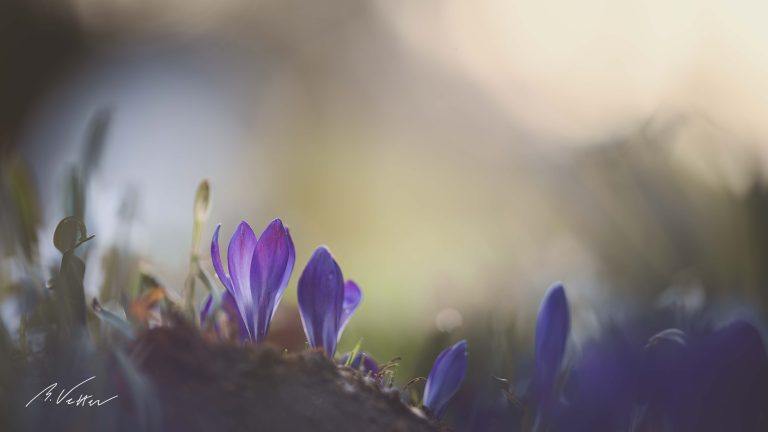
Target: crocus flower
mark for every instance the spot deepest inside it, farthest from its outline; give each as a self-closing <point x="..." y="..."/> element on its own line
<point x="259" y="269"/>
<point x="326" y="302"/>
<point x="604" y="386"/>
<point x="445" y="378"/>
<point x="718" y="382"/>
<point x="552" y="327"/>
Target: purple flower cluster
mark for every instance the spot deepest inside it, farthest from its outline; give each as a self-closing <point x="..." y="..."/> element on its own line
<point x="703" y="378"/>
<point x="688" y="378"/>
<point x="706" y="378"/>
<point x="259" y="270"/>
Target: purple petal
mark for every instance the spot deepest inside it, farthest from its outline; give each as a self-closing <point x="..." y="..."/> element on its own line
<point x="717" y="381"/>
<point x="552" y="327"/>
<point x="368" y="363"/>
<point x="352" y="298"/>
<point x="270" y="269"/>
<point x="216" y="258"/>
<point x="321" y="298"/>
<point x="239" y="256"/>
<point x="229" y="306"/>
<point x="446" y="377"/>
<point x="288" y="270"/>
<point x="205" y="308"/>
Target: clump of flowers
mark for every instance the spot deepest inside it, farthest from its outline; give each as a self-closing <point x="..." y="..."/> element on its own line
<point x="259" y="271"/>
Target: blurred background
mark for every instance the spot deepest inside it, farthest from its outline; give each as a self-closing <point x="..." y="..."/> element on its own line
<point x="456" y="157"/>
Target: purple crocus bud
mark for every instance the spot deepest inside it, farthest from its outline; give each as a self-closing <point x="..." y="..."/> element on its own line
<point x="362" y="362"/>
<point x="552" y="327"/>
<point x="445" y="378"/>
<point x="325" y="302"/>
<point x="259" y="269"/>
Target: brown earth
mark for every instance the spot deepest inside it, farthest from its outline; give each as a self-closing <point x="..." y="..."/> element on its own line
<point x="209" y="386"/>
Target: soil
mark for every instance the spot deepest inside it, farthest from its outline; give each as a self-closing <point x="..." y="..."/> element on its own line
<point x="205" y="385"/>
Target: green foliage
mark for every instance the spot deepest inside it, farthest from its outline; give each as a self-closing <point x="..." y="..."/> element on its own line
<point x="387" y="371"/>
<point x="353" y="354"/>
<point x="201" y="210"/>
<point x="110" y="318"/>
<point x="70" y="233"/>
<point x="68" y="284"/>
<point x="21" y="214"/>
<point x="408" y="390"/>
<point x="80" y="174"/>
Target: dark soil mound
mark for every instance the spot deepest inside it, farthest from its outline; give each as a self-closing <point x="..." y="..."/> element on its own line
<point x="220" y="386"/>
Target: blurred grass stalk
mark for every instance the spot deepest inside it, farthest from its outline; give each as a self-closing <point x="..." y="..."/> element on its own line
<point x="201" y="211"/>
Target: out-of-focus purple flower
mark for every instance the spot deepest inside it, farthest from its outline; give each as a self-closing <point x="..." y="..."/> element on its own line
<point x="603" y="385"/>
<point x="362" y="362"/>
<point x="229" y="307"/>
<point x="445" y="378"/>
<point x="552" y="326"/>
<point x="259" y="269"/>
<point x="326" y="302"/>
<point x="719" y="381"/>
<point x="700" y="380"/>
